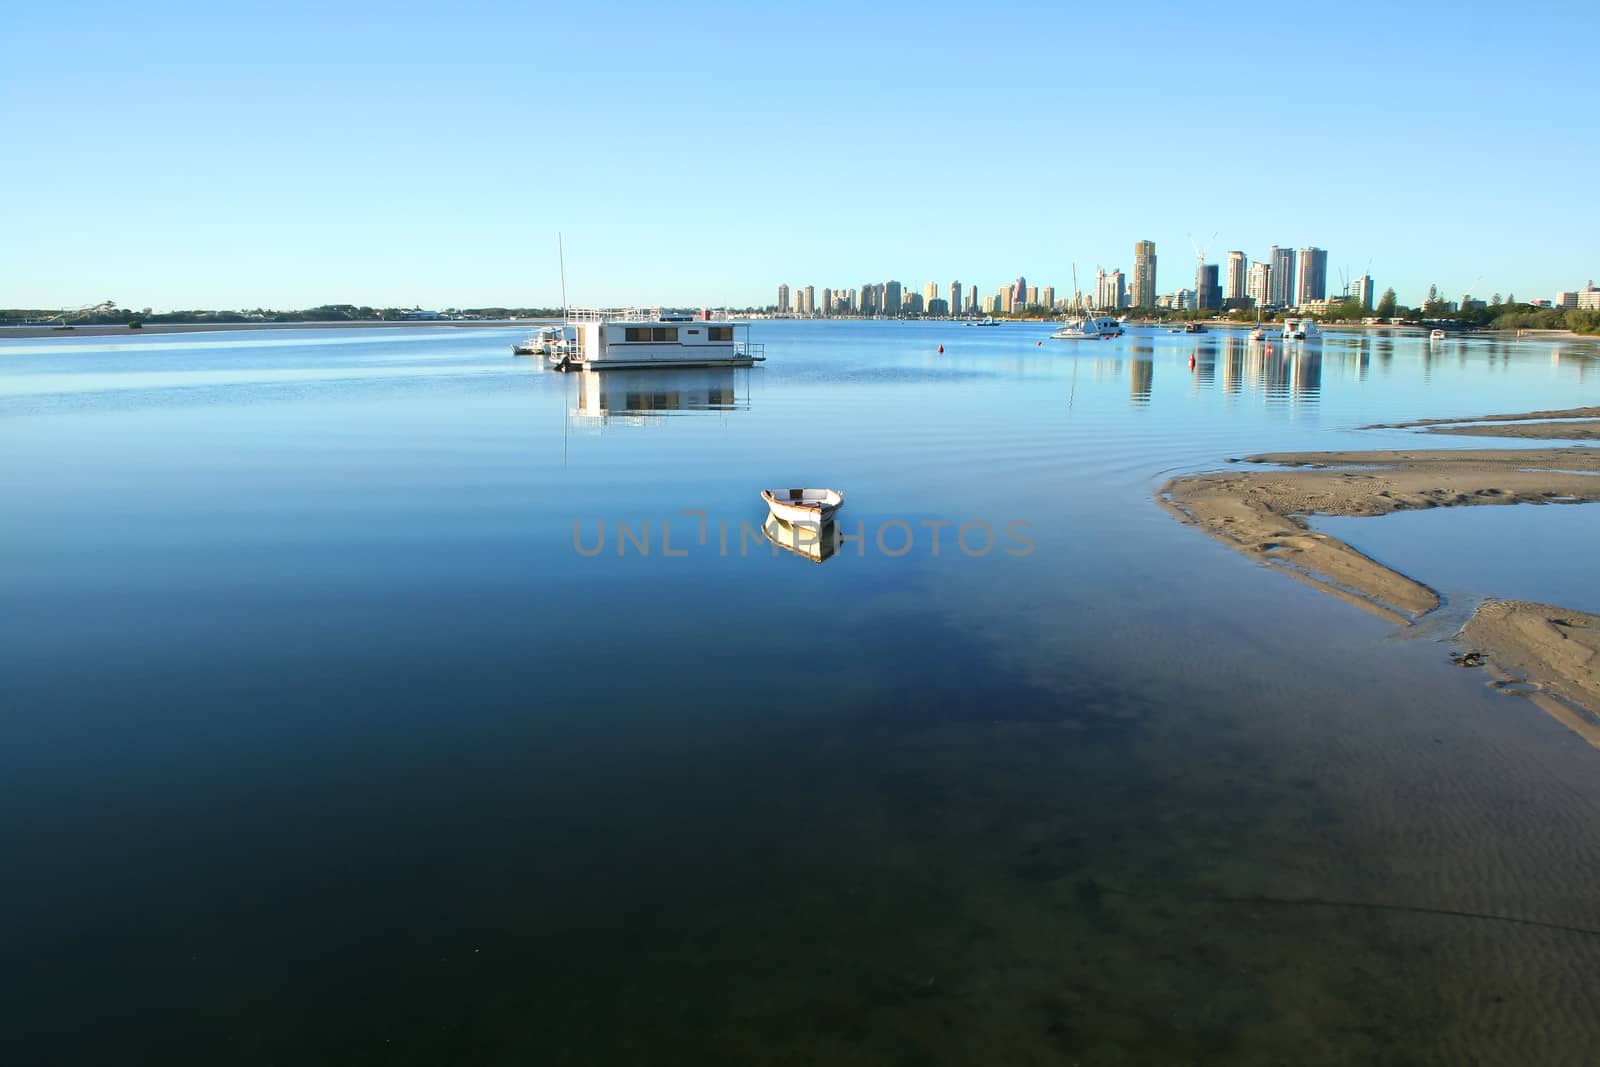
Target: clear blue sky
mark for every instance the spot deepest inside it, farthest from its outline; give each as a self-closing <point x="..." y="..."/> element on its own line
<point x="285" y="154"/>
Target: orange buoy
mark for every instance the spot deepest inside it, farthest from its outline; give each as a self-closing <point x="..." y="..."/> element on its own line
<point x="1191" y="363"/>
<point x="941" y="348"/>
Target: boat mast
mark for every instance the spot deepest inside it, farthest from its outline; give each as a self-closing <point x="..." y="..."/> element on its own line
<point x="561" y="255"/>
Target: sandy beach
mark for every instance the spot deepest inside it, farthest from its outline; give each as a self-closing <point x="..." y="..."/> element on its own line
<point x="1550" y="652"/>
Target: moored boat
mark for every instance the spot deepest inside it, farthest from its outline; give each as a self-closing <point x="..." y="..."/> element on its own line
<point x="803" y="507"/>
<point x="1096" y="329"/>
<point x="542" y="343"/>
<point x="640" y="338"/>
<point x="1436" y="335"/>
<point x="1301" y="330"/>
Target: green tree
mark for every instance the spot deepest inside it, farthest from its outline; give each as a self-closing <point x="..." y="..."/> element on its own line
<point x="1386" y="304"/>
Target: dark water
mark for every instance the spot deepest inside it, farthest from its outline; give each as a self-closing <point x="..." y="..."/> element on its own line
<point x="323" y="742"/>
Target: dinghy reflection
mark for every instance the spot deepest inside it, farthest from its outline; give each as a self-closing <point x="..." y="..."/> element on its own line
<point x="808" y="541"/>
<point x="643" y="396"/>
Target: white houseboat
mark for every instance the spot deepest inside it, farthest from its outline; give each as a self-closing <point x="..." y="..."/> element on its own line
<point x="640" y="338"/>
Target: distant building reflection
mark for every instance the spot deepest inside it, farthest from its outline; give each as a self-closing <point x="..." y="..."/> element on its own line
<point x="1141" y="373"/>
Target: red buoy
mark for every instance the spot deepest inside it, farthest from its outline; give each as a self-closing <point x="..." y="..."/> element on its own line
<point x="941" y="348"/>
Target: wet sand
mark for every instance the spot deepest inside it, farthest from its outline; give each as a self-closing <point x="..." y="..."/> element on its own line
<point x="1583" y="425"/>
<point x="1261" y="513"/>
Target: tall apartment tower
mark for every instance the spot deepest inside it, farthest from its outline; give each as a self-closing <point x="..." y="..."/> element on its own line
<point x="811" y="300"/>
<point x="1047" y="296"/>
<point x="955" y="298"/>
<point x="1313" y="264"/>
<point x="783" y="298"/>
<point x="891" y="298"/>
<point x="827" y="301"/>
<point x="1283" y="291"/>
<point x="1207" y="290"/>
<point x="1019" y="293"/>
<point x="868" y="303"/>
<point x="1258" y="286"/>
<point x="1238" y="264"/>
<point x="930" y="293"/>
<point x="1361" y="291"/>
<point x="1144" y="274"/>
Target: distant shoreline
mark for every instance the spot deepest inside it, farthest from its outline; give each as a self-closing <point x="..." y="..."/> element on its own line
<point x="108" y="329"/>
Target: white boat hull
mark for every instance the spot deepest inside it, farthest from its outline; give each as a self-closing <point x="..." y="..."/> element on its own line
<point x="810" y="508"/>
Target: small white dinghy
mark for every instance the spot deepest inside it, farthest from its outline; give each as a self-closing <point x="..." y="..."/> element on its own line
<point x="809" y="507"/>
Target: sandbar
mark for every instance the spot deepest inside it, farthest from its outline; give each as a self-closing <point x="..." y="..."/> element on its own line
<point x="1583" y="424"/>
<point x="1261" y="512"/>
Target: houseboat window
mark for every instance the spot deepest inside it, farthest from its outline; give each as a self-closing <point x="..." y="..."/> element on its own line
<point x="638" y="333"/>
<point x="719" y="333"/>
<point x="694" y="333"/>
<point x="664" y="333"/>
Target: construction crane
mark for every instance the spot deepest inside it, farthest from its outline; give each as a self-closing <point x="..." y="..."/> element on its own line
<point x="1200" y="252"/>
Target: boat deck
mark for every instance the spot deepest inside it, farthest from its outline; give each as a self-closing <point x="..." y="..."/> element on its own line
<point x="570" y="364"/>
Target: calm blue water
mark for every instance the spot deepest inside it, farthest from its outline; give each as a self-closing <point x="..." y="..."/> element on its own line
<point x="325" y="740"/>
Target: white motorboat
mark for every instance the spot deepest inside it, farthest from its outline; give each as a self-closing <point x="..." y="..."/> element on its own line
<point x="1301" y="330"/>
<point x="541" y="343"/>
<point x="803" y="507"/>
<point x="1436" y="335"/>
<point x="987" y="320"/>
<point x="1096" y="329"/>
<point x="1258" y="334"/>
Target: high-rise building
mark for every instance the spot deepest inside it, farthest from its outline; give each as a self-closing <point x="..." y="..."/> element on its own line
<point x="1019" y="293"/>
<point x="1144" y="274"/>
<point x="1237" y="265"/>
<point x="868" y="303"/>
<point x="913" y="303"/>
<point x="1008" y="299"/>
<point x="1207" y="289"/>
<point x="1109" y="288"/>
<point x="811" y="300"/>
<point x="972" y="298"/>
<point x="1589" y="297"/>
<point x="938" y="306"/>
<point x="1361" y="291"/>
<point x="1283" y="291"/>
<point x="955" y="298"/>
<point x="1047" y="296"/>
<point x="930" y="293"/>
<point x="1033" y="296"/>
<point x="891" y="298"/>
<point x="827" y="301"/>
<point x="783" y="299"/>
<point x="1258" y="286"/>
<point x="1313" y="267"/>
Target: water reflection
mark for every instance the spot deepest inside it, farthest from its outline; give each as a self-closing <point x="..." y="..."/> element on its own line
<point x="1141" y="373"/>
<point x="641" y="395"/>
<point x="806" y="542"/>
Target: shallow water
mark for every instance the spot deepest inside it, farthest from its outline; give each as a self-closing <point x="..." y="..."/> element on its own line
<point x="324" y="739"/>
